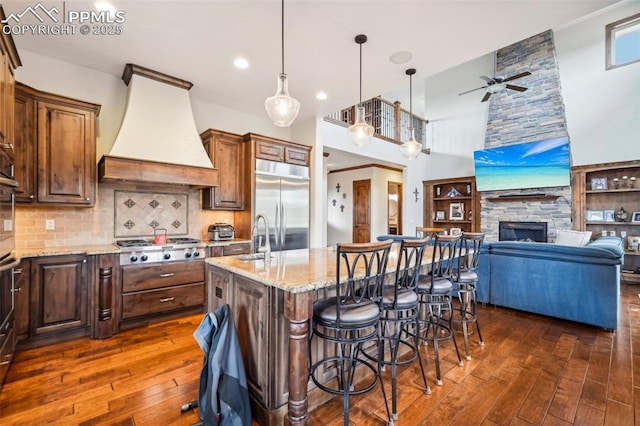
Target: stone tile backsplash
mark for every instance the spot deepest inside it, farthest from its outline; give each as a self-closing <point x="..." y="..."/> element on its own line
<point x="139" y="214"/>
<point x="81" y="226"/>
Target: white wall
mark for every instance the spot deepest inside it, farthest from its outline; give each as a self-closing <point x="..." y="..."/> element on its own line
<point x="340" y="222"/>
<point x="602" y="107"/>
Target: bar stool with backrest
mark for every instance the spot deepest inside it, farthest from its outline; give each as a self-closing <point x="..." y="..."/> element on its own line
<point x="434" y="291"/>
<point x="350" y="321"/>
<point x="465" y="279"/>
<point x="400" y="313"/>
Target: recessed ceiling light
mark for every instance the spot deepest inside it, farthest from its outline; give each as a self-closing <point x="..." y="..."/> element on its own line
<point x="241" y="63"/>
<point x="400" y="57"/>
<point x="105" y="6"/>
<point x="321" y="96"/>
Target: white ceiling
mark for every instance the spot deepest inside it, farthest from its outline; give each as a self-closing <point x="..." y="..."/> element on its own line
<point x="198" y="41"/>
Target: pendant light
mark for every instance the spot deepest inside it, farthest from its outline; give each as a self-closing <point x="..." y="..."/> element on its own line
<point x="281" y="107"/>
<point x="411" y="148"/>
<point x="360" y="131"/>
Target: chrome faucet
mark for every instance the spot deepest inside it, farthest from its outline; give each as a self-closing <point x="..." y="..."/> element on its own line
<point x="266" y="248"/>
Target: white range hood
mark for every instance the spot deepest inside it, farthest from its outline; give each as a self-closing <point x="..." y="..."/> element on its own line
<point x="158" y="142"/>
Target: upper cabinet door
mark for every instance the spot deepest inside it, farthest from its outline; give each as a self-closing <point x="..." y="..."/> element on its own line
<point x="227" y="153"/>
<point x="66" y="154"/>
<point x="25" y="148"/>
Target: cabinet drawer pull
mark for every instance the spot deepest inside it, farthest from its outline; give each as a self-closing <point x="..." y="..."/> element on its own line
<point x="167" y="299"/>
<point x="167" y="275"/>
<point x="15" y="290"/>
<point x="4" y="362"/>
<point x="237" y="249"/>
<point x="7" y="145"/>
<point x="17" y="271"/>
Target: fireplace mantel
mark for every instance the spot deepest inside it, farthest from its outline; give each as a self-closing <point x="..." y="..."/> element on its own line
<point x="520" y="197"/>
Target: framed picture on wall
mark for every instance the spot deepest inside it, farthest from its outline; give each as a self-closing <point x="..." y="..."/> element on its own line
<point x="456" y="211"/>
<point x="635" y="217"/>
<point x="440" y="215"/>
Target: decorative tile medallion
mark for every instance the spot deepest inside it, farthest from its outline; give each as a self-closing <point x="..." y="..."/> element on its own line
<point x="137" y="214"/>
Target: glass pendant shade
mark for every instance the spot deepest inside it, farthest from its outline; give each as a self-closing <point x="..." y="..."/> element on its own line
<point x="411" y="148"/>
<point x="360" y="131"/>
<point x="281" y="108"/>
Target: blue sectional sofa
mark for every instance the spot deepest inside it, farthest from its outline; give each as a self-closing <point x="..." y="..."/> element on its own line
<point x="575" y="283"/>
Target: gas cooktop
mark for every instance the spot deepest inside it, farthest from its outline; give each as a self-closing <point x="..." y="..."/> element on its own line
<point x="145" y="251"/>
<point x="144" y="243"/>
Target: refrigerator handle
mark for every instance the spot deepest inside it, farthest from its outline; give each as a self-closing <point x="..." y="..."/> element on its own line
<point x="276" y="228"/>
<point x="283" y="225"/>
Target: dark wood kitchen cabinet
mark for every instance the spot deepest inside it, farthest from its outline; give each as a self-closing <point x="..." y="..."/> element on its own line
<point x="258" y="314"/>
<point x="226" y="151"/>
<point x="151" y="293"/>
<point x="9" y="61"/>
<point x="22" y="279"/>
<point x="231" y="249"/>
<point x="277" y="150"/>
<point x="58" y="296"/>
<point x="25" y="147"/>
<point x="55" y="148"/>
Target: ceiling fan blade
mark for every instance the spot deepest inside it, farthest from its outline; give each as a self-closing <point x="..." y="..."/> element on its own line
<point x="487" y="78"/>
<point x="513" y="77"/>
<point x="472" y="90"/>
<point x="518" y="88"/>
<point x="486" y="97"/>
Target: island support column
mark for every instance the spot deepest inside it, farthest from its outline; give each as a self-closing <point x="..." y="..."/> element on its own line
<point x="298" y="311"/>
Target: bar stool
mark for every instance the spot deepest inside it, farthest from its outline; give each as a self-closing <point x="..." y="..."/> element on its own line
<point x="434" y="291"/>
<point x="465" y="279"/>
<point x="350" y="320"/>
<point x="400" y="312"/>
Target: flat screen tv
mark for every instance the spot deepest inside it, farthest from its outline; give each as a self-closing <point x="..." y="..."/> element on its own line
<point x="536" y="164"/>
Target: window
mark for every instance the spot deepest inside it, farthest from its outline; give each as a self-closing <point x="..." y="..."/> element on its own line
<point x="623" y="42"/>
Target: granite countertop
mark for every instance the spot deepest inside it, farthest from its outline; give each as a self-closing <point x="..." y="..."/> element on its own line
<point x="58" y="251"/>
<point x="296" y="271"/>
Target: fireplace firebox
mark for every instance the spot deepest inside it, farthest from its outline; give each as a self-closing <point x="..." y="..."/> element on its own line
<point x="523" y="231"/>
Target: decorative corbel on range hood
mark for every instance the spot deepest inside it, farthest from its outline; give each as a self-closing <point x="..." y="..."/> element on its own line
<point x="158" y="142"/>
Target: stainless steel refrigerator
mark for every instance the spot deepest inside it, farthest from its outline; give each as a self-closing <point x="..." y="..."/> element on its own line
<point x="282" y="196"/>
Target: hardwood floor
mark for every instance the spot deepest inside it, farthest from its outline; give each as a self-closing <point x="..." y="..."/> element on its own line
<point x="533" y="370"/>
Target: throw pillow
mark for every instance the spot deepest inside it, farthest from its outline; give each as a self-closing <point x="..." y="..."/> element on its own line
<point x="573" y="238"/>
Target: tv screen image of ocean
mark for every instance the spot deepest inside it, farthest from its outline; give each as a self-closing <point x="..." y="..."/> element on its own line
<point x="492" y="178"/>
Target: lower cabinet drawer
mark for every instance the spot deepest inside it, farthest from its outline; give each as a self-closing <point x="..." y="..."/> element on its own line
<point x="162" y="300"/>
<point x="6" y="355"/>
<point x="232" y="249"/>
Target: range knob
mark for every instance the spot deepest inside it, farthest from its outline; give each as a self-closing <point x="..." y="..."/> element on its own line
<point x="196" y="254"/>
<point x="167" y="256"/>
<point x="187" y="254"/>
<point x="133" y="258"/>
<point x="144" y="257"/>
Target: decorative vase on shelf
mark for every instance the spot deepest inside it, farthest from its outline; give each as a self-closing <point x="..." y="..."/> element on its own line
<point x="621" y="215"/>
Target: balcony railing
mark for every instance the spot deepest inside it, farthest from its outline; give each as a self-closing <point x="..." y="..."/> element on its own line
<point x="389" y="120"/>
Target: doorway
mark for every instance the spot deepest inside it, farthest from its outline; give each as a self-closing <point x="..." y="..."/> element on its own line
<point x="361" y="211"/>
<point x="394" y="208"/>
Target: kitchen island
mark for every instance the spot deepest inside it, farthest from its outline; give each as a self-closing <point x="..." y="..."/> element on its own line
<point x="272" y="306"/>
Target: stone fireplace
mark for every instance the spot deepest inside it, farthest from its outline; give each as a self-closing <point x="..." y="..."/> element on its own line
<point x="519" y="117"/>
<point x="523" y="231"/>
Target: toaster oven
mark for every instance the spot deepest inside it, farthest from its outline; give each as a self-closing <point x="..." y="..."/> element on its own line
<point x="220" y="232"/>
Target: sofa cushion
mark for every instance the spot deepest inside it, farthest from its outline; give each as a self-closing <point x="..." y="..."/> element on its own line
<point x="573" y="238"/>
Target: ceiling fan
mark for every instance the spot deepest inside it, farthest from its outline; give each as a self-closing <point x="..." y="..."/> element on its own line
<point x="498" y="83"/>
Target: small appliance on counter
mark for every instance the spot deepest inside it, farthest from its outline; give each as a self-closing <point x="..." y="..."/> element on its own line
<point x="220" y="232"/>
